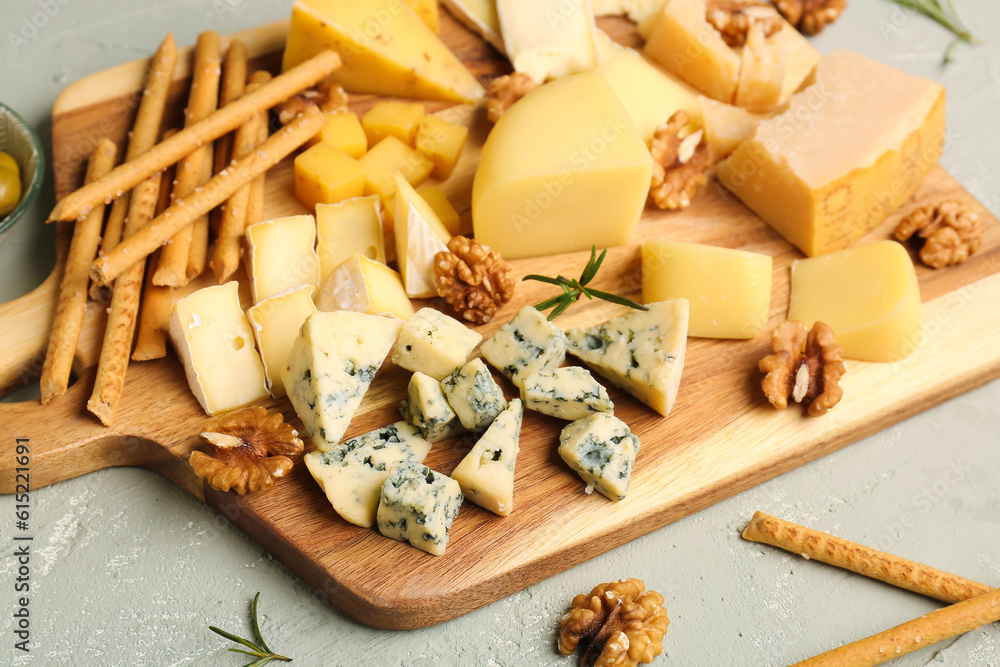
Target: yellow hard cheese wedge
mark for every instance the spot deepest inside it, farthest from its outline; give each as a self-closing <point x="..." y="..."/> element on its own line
<point x="563" y="169"/>
<point x="280" y="255"/>
<point x="276" y="321"/>
<point x="349" y="227"/>
<point x="869" y="295"/>
<point x="420" y="235"/>
<point x="364" y="286"/>
<point x="729" y="290"/>
<point x="438" y="200"/>
<point x="427" y="10"/>
<point x="385" y="48"/>
<point x="847" y="152"/>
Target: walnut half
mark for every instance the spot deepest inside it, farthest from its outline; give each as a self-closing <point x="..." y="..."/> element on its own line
<point x="249" y="451"/>
<point x="328" y="97"/>
<point x="811" y="16"/>
<point x="505" y="90"/>
<point x="733" y="18"/>
<point x="474" y="279"/>
<point x="950" y="229"/>
<point x="681" y="160"/>
<point x="619" y="624"/>
<point x="803" y="366"/>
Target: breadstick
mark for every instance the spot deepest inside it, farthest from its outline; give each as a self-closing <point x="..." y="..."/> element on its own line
<point x="913" y="635"/>
<point x="234" y="78"/>
<point x="227" y="247"/>
<point x="217" y="190"/>
<point x="73" y="290"/>
<point x="187" y="140"/>
<point x="255" y="203"/>
<point x="112" y="236"/>
<point x="202" y="100"/>
<point x="198" y="248"/>
<point x="813" y="544"/>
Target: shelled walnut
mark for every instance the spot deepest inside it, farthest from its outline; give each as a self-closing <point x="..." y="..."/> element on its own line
<point x="811" y="16"/>
<point x="249" y="451"/>
<point x="733" y="18"/>
<point x="681" y="160"/>
<point x="505" y="90"/>
<point x="327" y="96"/>
<point x="620" y="624"/>
<point x="950" y="229"/>
<point x="474" y="279"/>
<point x="803" y="366"/>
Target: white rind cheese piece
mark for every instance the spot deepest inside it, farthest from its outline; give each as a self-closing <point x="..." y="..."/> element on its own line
<point x="330" y="367"/>
<point x="420" y="235"/>
<point x="428" y="409"/>
<point x="642" y="351"/>
<point x="474" y="395"/>
<point x="364" y="286"/>
<point x="433" y="343"/>
<point x="280" y="255"/>
<point x="567" y="393"/>
<point x="348" y="227"/>
<point x="636" y="10"/>
<point x="276" y="321"/>
<point x="486" y="474"/>
<point x="548" y="39"/>
<point x="479" y="16"/>
<point x="214" y="342"/>
<point x="352" y="473"/>
<point x="602" y="450"/>
<point x="527" y="344"/>
<point x="418" y="505"/>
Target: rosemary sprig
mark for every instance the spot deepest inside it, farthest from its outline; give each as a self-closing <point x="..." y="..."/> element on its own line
<point x="944" y="13"/>
<point x="260" y="650"/>
<point x="572" y="289"/>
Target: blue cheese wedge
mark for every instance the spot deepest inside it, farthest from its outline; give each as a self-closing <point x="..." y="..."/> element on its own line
<point x="428" y="409"/>
<point x="474" y="395"/>
<point x="567" y="393"/>
<point x="352" y="473"/>
<point x="601" y="449"/>
<point x="642" y="351"/>
<point x="418" y="505"/>
<point x="527" y="344"/>
<point x="486" y="474"/>
<point x="434" y="344"/>
<point x="331" y="366"/>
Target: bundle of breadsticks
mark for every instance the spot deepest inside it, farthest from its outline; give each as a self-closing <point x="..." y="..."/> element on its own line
<point x="163" y="195"/>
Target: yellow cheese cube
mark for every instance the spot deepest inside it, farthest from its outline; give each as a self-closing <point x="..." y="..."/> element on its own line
<point x="385" y="159"/>
<point x="275" y="322"/>
<point x="280" y="255"/>
<point x="442" y="142"/>
<point x="391" y="118"/>
<point x="427" y="10"/>
<point x="364" y="286"/>
<point x="385" y="47"/>
<point x="762" y="74"/>
<point x="438" y="200"/>
<point x="545" y="185"/>
<point x="343" y="131"/>
<point x="726" y="126"/>
<point x="871" y="134"/>
<point x="325" y="175"/>
<point x="350" y="227"/>
<point x="729" y="290"/>
<point x="869" y="295"/>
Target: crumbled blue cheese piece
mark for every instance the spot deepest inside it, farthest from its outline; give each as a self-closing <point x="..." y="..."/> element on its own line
<point x="642" y="351"/>
<point x="486" y="474"/>
<point x="428" y="409"/>
<point x="331" y="366"/>
<point x="529" y="343"/>
<point x="569" y="393"/>
<point x="474" y="395"/>
<point x="433" y="343"/>
<point x="601" y="449"/>
<point x="418" y="506"/>
<point x="352" y="473"/>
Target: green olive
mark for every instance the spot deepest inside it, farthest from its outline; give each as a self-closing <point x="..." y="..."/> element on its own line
<point x="10" y="184"/>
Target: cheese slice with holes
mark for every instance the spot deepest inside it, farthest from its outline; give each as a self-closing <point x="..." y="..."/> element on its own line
<point x="348" y="227"/>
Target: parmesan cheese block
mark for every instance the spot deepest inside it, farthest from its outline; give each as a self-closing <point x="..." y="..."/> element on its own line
<point x="726" y="126"/>
<point x="548" y="39"/>
<point x="418" y="505"/>
<point x="214" y="342"/>
<point x="351" y="226"/>
<point x="280" y="255"/>
<point x="364" y="286"/>
<point x="848" y="151"/>
<point x="762" y="73"/>
<point x="486" y="474"/>
<point x="420" y="235"/>
<point x="276" y="321"/>
<point x="869" y="295"/>
<point x="547" y="186"/>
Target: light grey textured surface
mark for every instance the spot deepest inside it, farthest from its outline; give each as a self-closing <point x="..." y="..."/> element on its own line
<point x="129" y="570"/>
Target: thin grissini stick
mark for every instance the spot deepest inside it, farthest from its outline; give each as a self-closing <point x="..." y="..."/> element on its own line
<point x="224" y="120"/>
<point x="112" y="236"/>
<point x="836" y="551"/>
<point x="234" y="79"/>
<point x="216" y="191"/>
<point x="198" y="248"/>
<point x="913" y="635"/>
<point x="255" y="202"/>
<point x="73" y="289"/>
<point x="203" y="99"/>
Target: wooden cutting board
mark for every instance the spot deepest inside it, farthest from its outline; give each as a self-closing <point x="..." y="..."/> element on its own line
<point x="721" y="438"/>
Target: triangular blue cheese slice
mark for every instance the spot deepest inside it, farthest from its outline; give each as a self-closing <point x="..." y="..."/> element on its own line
<point x="642" y="351"/>
<point x="486" y="474"/>
<point x="330" y="367"/>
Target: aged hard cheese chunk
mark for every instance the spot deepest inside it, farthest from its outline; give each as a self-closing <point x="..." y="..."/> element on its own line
<point x="762" y="74"/>
<point x="386" y="50"/>
<point x="280" y="255"/>
<point x="435" y="344"/>
<point x="330" y="367"/>
<point x="869" y="295"/>
<point x="545" y="185"/>
<point x="364" y="286"/>
<point x="276" y="321"/>
<point x="438" y="200"/>
<point x="326" y="175"/>
<point x="548" y="39"/>
<point x="567" y="393"/>
<point x="418" y="505"/>
<point x="642" y="351"/>
<point x="729" y="290"/>
<point x="474" y="395"/>
<point x="486" y="474"/>
<point x="427" y="408"/>
<point x="427" y="10"/>
<point x="527" y="344"/>
<point x="344" y="229"/>
<point x="352" y="473"/>
<point x="726" y="126"/>
<point x="214" y="342"/>
<point x="420" y="235"/>
<point x="602" y="450"/>
<point x="871" y="136"/>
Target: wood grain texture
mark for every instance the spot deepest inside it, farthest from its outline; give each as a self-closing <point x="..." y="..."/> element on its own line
<point x="721" y="438"/>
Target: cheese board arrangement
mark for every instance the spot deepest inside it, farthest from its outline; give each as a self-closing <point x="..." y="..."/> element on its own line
<point x="548" y="195"/>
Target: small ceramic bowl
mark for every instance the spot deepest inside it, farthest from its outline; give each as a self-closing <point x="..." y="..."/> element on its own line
<point x="21" y="143"/>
